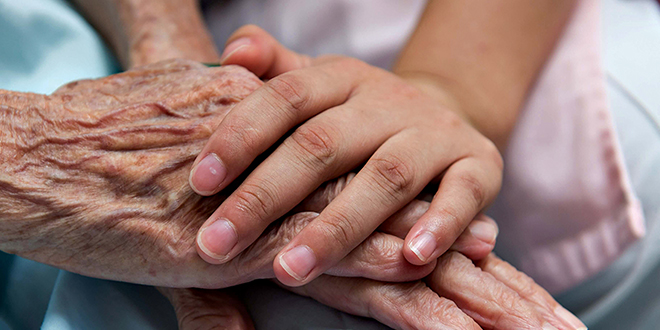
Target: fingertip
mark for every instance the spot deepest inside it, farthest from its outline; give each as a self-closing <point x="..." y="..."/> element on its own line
<point x="252" y="48"/>
<point x="478" y="240"/>
<point x="234" y="47"/>
<point x="484" y="229"/>
<point x="216" y="240"/>
<point x="421" y="249"/>
<point x="207" y="175"/>
<point x="294" y="266"/>
<point x="253" y="56"/>
<point x="475" y="250"/>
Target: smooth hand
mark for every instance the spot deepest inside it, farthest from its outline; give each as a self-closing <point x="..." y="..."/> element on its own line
<point x="342" y="113"/>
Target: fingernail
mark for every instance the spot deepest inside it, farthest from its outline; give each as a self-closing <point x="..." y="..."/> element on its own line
<point x="233" y="47"/>
<point x="571" y="319"/>
<point x="298" y="262"/>
<point x="208" y="174"/>
<point x="423" y="246"/>
<point x="218" y="239"/>
<point x="483" y="231"/>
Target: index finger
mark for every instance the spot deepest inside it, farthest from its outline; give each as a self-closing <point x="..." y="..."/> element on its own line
<point x="265" y="116"/>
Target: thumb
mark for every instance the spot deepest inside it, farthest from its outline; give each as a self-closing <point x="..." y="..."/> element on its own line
<point x="207" y="309"/>
<point x="255" y="49"/>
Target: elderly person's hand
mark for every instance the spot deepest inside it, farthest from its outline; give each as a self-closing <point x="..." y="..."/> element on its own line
<point x="94" y="180"/>
<point x="459" y="294"/>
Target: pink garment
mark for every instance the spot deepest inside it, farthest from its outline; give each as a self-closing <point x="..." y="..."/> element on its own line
<point x="567" y="210"/>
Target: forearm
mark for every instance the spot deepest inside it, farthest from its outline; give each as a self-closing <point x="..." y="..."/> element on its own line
<point x="147" y="31"/>
<point x="484" y="56"/>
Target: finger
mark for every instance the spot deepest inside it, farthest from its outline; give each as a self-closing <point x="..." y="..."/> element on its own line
<point x="476" y="242"/>
<point x="324" y="147"/>
<point x="255" y="49"/>
<point x="318" y="201"/>
<point x="488" y="301"/>
<point x="394" y="175"/>
<point x="466" y="188"/>
<point x="378" y="257"/>
<point x="528" y="289"/>
<point x="400" y="306"/>
<point x="198" y="309"/>
<point x="262" y="118"/>
<point x="400" y="223"/>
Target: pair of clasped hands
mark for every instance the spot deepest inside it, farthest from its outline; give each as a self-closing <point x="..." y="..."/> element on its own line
<point x="316" y="119"/>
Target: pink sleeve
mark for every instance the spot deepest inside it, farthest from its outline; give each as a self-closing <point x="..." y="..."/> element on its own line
<point x="567" y="209"/>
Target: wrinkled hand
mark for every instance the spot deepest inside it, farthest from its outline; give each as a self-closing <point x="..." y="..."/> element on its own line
<point x="457" y="295"/>
<point x="213" y="309"/>
<point x="94" y="180"/>
<point x="344" y="112"/>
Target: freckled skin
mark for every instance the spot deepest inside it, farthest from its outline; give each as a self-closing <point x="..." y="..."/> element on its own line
<point x="94" y="177"/>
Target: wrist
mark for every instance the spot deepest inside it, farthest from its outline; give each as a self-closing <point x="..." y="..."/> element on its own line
<point x="165" y="29"/>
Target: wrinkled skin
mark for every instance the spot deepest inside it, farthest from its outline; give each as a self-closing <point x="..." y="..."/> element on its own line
<point x="459" y="294"/>
<point x="94" y="180"/>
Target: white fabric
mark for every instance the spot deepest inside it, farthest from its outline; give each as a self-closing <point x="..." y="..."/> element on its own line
<point x="371" y="30"/>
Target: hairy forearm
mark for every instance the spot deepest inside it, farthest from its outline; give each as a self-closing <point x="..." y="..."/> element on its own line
<point x="147" y="31"/>
<point x="484" y="55"/>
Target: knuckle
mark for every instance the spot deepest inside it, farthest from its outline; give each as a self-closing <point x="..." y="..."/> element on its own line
<point x="339" y="229"/>
<point x="525" y="287"/>
<point x="474" y="188"/>
<point x="452" y="120"/>
<point x="257" y="199"/>
<point x="504" y="297"/>
<point x="451" y="221"/>
<point x="443" y="308"/>
<point x="239" y="129"/>
<point x="378" y="248"/>
<point x="410" y="300"/>
<point x="452" y="261"/>
<point x="291" y="90"/>
<point x="393" y="174"/>
<point x="352" y="63"/>
<point x="317" y="142"/>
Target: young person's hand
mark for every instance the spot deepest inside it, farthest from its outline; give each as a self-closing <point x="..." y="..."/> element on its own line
<point x="343" y="113"/>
